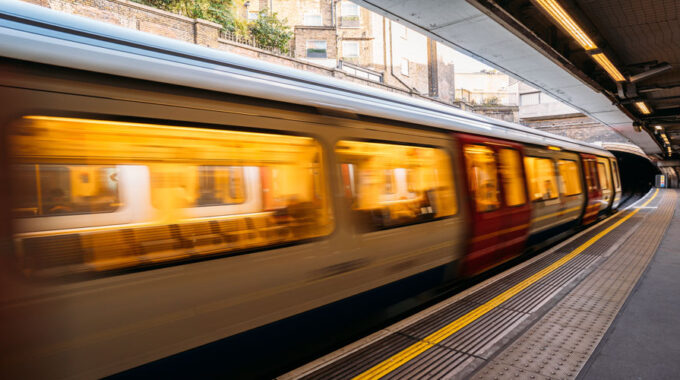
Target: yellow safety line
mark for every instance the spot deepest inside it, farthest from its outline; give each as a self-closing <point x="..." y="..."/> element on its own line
<point x="400" y="358"/>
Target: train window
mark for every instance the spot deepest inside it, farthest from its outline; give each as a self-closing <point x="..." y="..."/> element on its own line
<point x="390" y="185"/>
<point x="50" y="189"/>
<point x="541" y="178"/>
<point x="201" y="191"/>
<point x="591" y="175"/>
<point x="615" y="168"/>
<point x="569" y="174"/>
<point x="220" y="185"/>
<point x="511" y="174"/>
<point x="482" y="177"/>
<point x="603" y="175"/>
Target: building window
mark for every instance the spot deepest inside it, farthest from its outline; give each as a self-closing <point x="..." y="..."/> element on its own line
<point x="530" y="99"/>
<point x="252" y="15"/>
<point x="316" y="49"/>
<point x="311" y="19"/>
<point x="404" y="66"/>
<point x="403" y="32"/>
<point x="349" y="15"/>
<point x="360" y="72"/>
<point x="350" y="49"/>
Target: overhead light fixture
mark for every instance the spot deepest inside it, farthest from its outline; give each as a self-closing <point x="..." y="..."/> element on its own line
<point x="658" y="127"/>
<point x="643" y="108"/>
<point x="665" y="139"/>
<point x="562" y="17"/>
<point x="609" y="67"/>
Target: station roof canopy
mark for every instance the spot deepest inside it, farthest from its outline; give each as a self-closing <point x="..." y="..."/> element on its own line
<point x="616" y="61"/>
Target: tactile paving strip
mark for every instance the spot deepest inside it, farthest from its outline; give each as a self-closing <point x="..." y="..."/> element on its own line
<point x="560" y="343"/>
<point x="471" y="347"/>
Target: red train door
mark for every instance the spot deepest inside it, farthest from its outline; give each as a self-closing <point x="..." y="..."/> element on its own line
<point x="499" y="209"/>
<point x="592" y="184"/>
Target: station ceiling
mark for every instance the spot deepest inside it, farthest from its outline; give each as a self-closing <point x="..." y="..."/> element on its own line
<point x="629" y="58"/>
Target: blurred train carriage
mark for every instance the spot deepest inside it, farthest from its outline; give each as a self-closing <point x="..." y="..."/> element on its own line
<point x="204" y="194"/>
<point x="96" y="195"/>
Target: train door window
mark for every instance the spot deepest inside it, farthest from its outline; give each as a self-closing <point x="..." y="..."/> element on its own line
<point x="541" y="178"/>
<point x="615" y="168"/>
<point x="569" y="174"/>
<point x="511" y="175"/>
<point x="482" y="177"/>
<point x="603" y="175"/>
<point x="591" y="175"/>
<point x="391" y="185"/>
<point x="50" y="189"/>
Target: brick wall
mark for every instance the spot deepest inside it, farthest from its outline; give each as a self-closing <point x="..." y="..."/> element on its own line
<point x="578" y="127"/>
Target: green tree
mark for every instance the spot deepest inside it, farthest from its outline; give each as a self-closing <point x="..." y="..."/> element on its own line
<point x="270" y="32"/>
<point x="217" y="11"/>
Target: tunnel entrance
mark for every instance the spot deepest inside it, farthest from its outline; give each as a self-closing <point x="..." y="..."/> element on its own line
<point x="637" y="173"/>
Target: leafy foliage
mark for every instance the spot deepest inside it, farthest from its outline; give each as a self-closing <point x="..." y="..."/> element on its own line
<point x="217" y="11"/>
<point x="270" y="32"/>
<point x="492" y="101"/>
<point x="267" y="30"/>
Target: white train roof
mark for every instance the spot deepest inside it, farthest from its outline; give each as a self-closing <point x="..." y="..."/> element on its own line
<point x="33" y="33"/>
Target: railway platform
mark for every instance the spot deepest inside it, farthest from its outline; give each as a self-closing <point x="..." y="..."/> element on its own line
<point x="601" y="305"/>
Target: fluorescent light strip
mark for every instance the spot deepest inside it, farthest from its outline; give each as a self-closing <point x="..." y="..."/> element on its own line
<point x="643" y="107"/>
<point x="563" y="18"/>
<point x="609" y="67"/>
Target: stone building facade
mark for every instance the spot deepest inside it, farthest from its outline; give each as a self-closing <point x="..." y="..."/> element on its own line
<point x="343" y="35"/>
<point x="541" y="111"/>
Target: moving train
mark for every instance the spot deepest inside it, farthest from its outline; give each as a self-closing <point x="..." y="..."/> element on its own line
<point x="158" y="196"/>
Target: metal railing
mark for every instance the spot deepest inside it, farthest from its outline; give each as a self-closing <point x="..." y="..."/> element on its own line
<point x="249" y="41"/>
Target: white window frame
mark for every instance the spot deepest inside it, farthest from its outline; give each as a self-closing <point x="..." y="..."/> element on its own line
<point x="404" y="66"/>
<point x="345" y="49"/>
<point x="348" y="8"/>
<point x="308" y="42"/>
<point x="312" y="19"/>
<point x="252" y="15"/>
<point x="403" y="33"/>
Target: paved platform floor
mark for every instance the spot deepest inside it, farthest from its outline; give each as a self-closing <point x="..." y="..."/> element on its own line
<point x="604" y="304"/>
<point x="644" y="340"/>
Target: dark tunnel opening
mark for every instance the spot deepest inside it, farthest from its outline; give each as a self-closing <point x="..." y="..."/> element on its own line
<point x="637" y="174"/>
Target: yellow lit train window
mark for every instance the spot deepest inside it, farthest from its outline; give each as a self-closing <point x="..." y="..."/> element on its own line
<point x="200" y="191"/>
<point x="511" y="175"/>
<point x="392" y="185"/>
<point x="604" y="175"/>
<point x="571" y="179"/>
<point x="220" y="185"/>
<point x="49" y="189"/>
<point x="615" y="168"/>
<point x="541" y="178"/>
<point x="482" y="177"/>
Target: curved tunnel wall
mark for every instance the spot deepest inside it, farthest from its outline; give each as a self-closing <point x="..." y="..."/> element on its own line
<point x="637" y="172"/>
